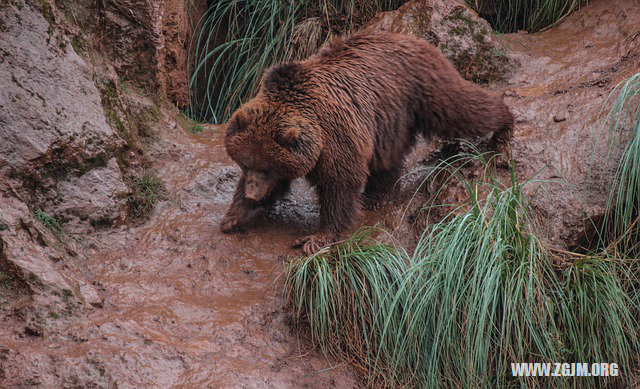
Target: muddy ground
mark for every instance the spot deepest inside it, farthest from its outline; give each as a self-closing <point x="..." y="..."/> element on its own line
<point x="173" y="302"/>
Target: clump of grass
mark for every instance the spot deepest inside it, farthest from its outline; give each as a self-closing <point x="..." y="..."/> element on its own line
<point x="530" y="15"/>
<point x="340" y="293"/>
<point x="235" y="40"/>
<point x="50" y="222"/>
<point x="479" y="292"/>
<point x="195" y="125"/>
<point x="146" y="192"/>
<point x="196" y="128"/>
<point x="621" y="226"/>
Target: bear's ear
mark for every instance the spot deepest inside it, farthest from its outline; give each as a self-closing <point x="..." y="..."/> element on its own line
<point x="288" y="136"/>
<point x="283" y="77"/>
<point x="238" y="123"/>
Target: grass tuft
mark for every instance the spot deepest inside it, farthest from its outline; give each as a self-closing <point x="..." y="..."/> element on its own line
<point x="146" y="192"/>
<point x="531" y="15"/>
<point x="196" y="128"/>
<point x="621" y="226"/>
<point x="341" y="295"/>
<point x="479" y="292"/>
<point x="50" y="222"/>
<point x="235" y="40"/>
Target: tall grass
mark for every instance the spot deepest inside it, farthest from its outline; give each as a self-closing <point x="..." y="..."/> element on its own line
<point x="621" y="226"/>
<point x="479" y="292"/>
<point x="531" y="15"/>
<point x="340" y="293"/>
<point x="235" y="40"/>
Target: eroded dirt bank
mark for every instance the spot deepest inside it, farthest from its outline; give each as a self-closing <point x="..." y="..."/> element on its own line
<point x="173" y="302"/>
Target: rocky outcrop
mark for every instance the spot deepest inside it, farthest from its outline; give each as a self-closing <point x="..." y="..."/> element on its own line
<point x="149" y="42"/>
<point x="462" y="36"/>
<point x="53" y="129"/>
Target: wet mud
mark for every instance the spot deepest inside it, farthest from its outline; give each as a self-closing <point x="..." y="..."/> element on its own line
<point x="180" y="304"/>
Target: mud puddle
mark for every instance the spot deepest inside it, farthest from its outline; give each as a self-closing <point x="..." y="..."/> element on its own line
<point x="189" y="306"/>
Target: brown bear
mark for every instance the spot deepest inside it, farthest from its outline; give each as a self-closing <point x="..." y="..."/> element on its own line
<point x="345" y="118"/>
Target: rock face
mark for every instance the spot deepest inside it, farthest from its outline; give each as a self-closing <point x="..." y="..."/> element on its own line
<point x="461" y="35"/>
<point x="150" y="39"/>
<point x="53" y="131"/>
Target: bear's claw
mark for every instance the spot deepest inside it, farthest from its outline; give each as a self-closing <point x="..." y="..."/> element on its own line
<point x="313" y="243"/>
<point x="228" y="223"/>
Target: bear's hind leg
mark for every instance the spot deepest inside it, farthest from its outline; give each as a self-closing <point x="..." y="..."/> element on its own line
<point x="381" y="187"/>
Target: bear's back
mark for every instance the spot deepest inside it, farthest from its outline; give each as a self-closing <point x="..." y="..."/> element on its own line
<point x="390" y="86"/>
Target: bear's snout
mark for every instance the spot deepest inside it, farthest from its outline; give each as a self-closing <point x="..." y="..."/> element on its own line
<point x="256" y="185"/>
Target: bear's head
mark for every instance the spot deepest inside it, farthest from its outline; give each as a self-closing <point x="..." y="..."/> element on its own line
<point x="271" y="142"/>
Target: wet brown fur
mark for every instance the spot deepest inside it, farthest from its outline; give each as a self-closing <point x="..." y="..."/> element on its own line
<point x="345" y="119"/>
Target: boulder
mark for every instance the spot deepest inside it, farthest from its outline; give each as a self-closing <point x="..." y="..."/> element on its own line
<point x="462" y="36"/>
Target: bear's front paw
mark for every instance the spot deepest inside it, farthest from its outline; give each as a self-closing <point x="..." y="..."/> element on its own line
<point x="229" y="222"/>
<point x="313" y="243"/>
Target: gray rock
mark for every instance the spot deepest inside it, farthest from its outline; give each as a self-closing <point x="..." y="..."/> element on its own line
<point x="52" y="122"/>
<point x="96" y="196"/>
<point x="462" y="36"/>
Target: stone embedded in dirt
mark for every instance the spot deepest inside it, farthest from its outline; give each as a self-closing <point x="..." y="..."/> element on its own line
<point x="97" y="196"/>
<point x="91" y="296"/>
<point x="462" y="36"/>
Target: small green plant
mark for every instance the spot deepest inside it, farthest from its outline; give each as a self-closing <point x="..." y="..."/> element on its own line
<point x="500" y="53"/>
<point x="54" y="315"/>
<point x="5" y="278"/>
<point x="125" y="86"/>
<point x="76" y="45"/>
<point x="146" y="192"/>
<point x="196" y="128"/>
<point x="66" y="294"/>
<point x="50" y="222"/>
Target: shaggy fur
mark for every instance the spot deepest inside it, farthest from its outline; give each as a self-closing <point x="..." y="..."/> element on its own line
<point x="345" y="119"/>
